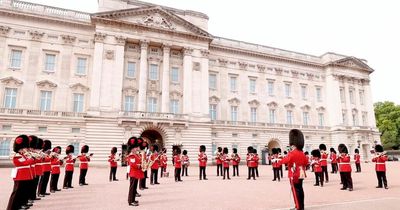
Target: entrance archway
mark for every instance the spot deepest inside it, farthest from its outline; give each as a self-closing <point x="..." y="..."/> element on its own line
<point x="273" y="143"/>
<point x="153" y="137"/>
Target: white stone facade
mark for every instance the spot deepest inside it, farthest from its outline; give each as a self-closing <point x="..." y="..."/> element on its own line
<point x="134" y="67"/>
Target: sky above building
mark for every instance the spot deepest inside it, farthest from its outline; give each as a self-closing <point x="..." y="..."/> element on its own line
<point x="365" y="29"/>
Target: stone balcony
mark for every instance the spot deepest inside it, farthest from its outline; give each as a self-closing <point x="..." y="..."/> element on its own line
<point x="31" y="112"/>
<point x="153" y="116"/>
<point x="267" y="125"/>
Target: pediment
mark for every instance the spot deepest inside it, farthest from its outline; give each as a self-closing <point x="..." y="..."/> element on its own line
<point x="46" y="83"/>
<point x="254" y="103"/>
<point x="289" y="106"/>
<point x="305" y="107"/>
<point x="234" y="101"/>
<point x="353" y="62"/>
<point x="77" y="86"/>
<point x="11" y="80"/>
<point x="272" y="104"/>
<point x="214" y="100"/>
<point x="152" y="17"/>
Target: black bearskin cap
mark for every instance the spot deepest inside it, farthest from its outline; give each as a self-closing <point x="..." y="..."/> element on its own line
<point x="275" y="151"/>
<point x="202" y="148"/>
<point x="279" y="150"/>
<point x="21" y="142"/>
<point x="113" y="150"/>
<point x="132" y="142"/>
<point x="322" y="147"/>
<point x="144" y="143"/>
<point x="69" y="149"/>
<point x="39" y="144"/>
<point x="219" y="149"/>
<point x="155" y="147"/>
<point x="225" y="150"/>
<point x="85" y="149"/>
<point x="184" y="152"/>
<point x="378" y="148"/>
<point x="178" y="150"/>
<point x="306" y="153"/>
<point x="234" y="150"/>
<point x="249" y="149"/>
<point x="316" y="153"/>
<point x="332" y="150"/>
<point x="33" y="140"/>
<point x="254" y="151"/>
<point x="342" y="149"/>
<point x="296" y="138"/>
<point x="356" y="151"/>
<point x="46" y="145"/>
<point x="57" y="149"/>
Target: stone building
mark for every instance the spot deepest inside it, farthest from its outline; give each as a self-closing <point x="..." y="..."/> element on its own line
<point x="136" y="68"/>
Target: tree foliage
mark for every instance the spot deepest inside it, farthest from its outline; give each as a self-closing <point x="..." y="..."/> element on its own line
<point x="387" y="116"/>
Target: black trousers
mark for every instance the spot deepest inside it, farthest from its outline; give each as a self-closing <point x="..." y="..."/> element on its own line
<point x="281" y="171"/>
<point x="54" y="182"/>
<point x="219" y="168"/>
<point x="163" y="169"/>
<point x="33" y="185"/>
<point x="334" y="167"/>
<point x="381" y="175"/>
<point x="68" y="179"/>
<point x="226" y="172"/>
<point x="256" y="169"/>
<point x="347" y="181"/>
<point x="178" y="174"/>
<point x="113" y="173"/>
<point x="184" y="170"/>
<point x="251" y="173"/>
<point x="325" y="171"/>
<point x="202" y="173"/>
<point x="44" y="180"/>
<point x="277" y="174"/>
<point x="142" y="183"/>
<point x="358" y="167"/>
<point x="132" y="190"/>
<point x="154" y="176"/>
<point x="82" y="176"/>
<point x="19" y="195"/>
<point x="298" y="194"/>
<point x="236" y="170"/>
<point x="319" y="178"/>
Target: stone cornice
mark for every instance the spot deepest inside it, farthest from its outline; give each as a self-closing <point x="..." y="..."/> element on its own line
<point x="343" y="77"/>
<point x="187" y="51"/>
<point x="120" y="40"/>
<point x="99" y="37"/>
<point x="45" y="83"/>
<point x="8" y="80"/>
<point x="36" y="35"/>
<point x="4" y="30"/>
<point x="67" y="39"/>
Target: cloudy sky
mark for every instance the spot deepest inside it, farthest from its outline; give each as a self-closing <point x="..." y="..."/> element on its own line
<point x="363" y="28"/>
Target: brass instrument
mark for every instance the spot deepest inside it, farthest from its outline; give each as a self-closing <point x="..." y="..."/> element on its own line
<point x="380" y="154"/>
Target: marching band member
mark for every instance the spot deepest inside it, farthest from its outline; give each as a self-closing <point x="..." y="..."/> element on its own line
<point x="38" y="164"/>
<point x="155" y="158"/>
<point x="33" y="144"/>
<point x="46" y="167"/>
<point x="380" y="167"/>
<point x="280" y="157"/>
<point x="225" y="161"/>
<point x="308" y="160"/>
<point x="134" y="160"/>
<point x="357" y="160"/>
<point x="178" y="165"/>
<point x="218" y="156"/>
<point x="113" y="160"/>
<point x="235" y="162"/>
<point x="345" y="168"/>
<point x="56" y="163"/>
<point x="275" y="164"/>
<point x="202" y="162"/>
<point x="143" y="147"/>
<point x="324" y="161"/>
<point x="333" y="158"/>
<point x="297" y="162"/>
<point x="250" y="163"/>
<point x="256" y="161"/>
<point x="69" y="167"/>
<point x="185" y="163"/>
<point x="163" y="161"/>
<point x="84" y="164"/>
<point x="316" y="163"/>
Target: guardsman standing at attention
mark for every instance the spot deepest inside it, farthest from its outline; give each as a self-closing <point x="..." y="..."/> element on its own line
<point x="225" y="162"/>
<point x="84" y="160"/>
<point x="380" y="166"/>
<point x="333" y="158"/>
<point x="345" y="167"/>
<point x="33" y="141"/>
<point x="297" y="163"/>
<point x="256" y="161"/>
<point x="357" y="160"/>
<point x="163" y="161"/>
<point x="21" y="174"/>
<point x="56" y="163"/>
<point x="46" y="167"/>
<point x="144" y="149"/>
<point x="134" y="160"/>
<point x="185" y="163"/>
<point x="202" y="162"/>
<point x="69" y="167"/>
<point x="324" y="161"/>
<point x="235" y="162"/>
<point x="113" y="160"/>
<point x="218" y="156"/>
<point x="316" y="163"/>
<point x="275" y="164"/>
<point x="250" y="162"/>
<point x="155" y="158"/>
<point x="178" y="164"/>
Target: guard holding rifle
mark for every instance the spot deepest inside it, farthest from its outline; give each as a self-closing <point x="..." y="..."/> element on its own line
<point x="380" y="166"/>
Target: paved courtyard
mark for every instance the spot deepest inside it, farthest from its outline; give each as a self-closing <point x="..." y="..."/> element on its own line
<point x="215" y="193"/>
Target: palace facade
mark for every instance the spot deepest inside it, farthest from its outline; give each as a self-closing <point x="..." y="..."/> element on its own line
<point x="136" y="68"/>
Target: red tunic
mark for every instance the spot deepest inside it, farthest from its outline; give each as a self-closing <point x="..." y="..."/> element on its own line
<point x="256" y="159"/>
<point x="380" y="162"/>
<point x="344" y="163"/>
<point x="225" y="160"/>
<point x="316" y="163"/>
<point x="46" y="163"/>
<point x="112" y="161"/>
<point x="357" y="158"/>
<point x="235" y="160"/>
<point x="218" y="158"/>
<point x="135" y="163"/>
<point x="295" y="159"/>
<point x="324" y="158"/>
<point x="275" y="161"/>
<point x="154" y="157"/>
<point x="69" y="163"/>
<point x="38" y="167"/>
<point x="55" y="166"/>
<point x="163" y="160"/>
<point x="185" y="160"/>
<point x="333" y="158"/>
<point x="202" y="159"/>
<point x="251" y="161"/>
<point x="22" y="170"/>
<point x="84" y="161"/>
<point x="177" y="161"/>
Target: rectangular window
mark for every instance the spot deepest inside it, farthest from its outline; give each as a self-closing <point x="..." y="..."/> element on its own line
<point x="288" y="90"/>
<point x="5" y="148"/>
<point x="174" y="106"/>
<point x="355" y="120"/>
<point x="252" y="86"/>
<point x="42" y="129"/>
<point x="213" y="111"/>
<point x="319" y="93"/>
<point x="272" y="115"/>
<point x="76" y="145"/>
<point x="234" y="113"/>
<point x="152" y="104"/>
<point x="351" y="95"/>
<point x="50" y="62"/>
<point x="365" y="118"/>
<point x="6" y="127"/>
<point x="289" y="117"/>
<point x="78" y="102"/>
<point x="361" y="92"/>
<point x="45" y="100"/>
<point x="81" y="66"/>
<point x="270" y="88"/>
<point x="304" y="92"/>
<point x="153" y="72"/>
<point x="175" y="75"/>
<point x="233" y="84"/>
<point x="129" y="103"/>
<point x="305" y="118"/>
<point x="342" y="95"/>
<point x="76" y="130"/>
<point x="344" y="117"/>
<point x="131" y="69"/>
<point x="253" y="114"/>
<point x="15" y="59"/>
<point x="10" y="98"/>
<point x="212" y="80"/>
<point x="321" y="119"/>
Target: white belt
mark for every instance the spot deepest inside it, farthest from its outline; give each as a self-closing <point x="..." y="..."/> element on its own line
<point x="69" y="163"/>
<point x="344" y="163"/>
<point x="46" y="163"/>
<point x="21" y="167"/>
<point x="55" y="166"/>
<point x="380" y="163"/>
<point x="84" y="162"/>
<point x="322" y="159"/>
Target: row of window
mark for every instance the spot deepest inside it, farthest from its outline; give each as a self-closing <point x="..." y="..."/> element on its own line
<point x="233" y="85"/>
<point x="352" y="96"/>
<point x="45" y="100"/>
<point x="354" y="118"/>
<point x="152" y="105"/>
<point x="153" y="72"/>
<point x="272" y="115"/>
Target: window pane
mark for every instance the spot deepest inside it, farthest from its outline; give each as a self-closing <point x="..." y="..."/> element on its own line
<point x="129" y="102"/>
<point x="253" y="114"/>
<point x="16" y="56"/>
<point x="78" y="102"/>
<point x="131" y="68"/>
<point x="175" y="75"/>
<point x="319" y="94"/>
<point x="305" y="118"/>
<point x="174" y="106"/>
<point x="45" y="100"/>
<point x="287" y="90"/>
<point x="272" y="116"/>
<point x="5" y="148"/>
<point x="212" y="80"/>
<point x="153" y="72"/>
<point x="304" y="92"/>
<point x="81" y="66"/>
<point x="252" y="86"/>
<point x="289" y="117"/>
<point x="50" y="62"/>
<point x="213" y="111"/>
<point x="10" y="98"/>
<point x="152" y="105"/>
<point x="321" y="119"/>
<point x="233" y="84"/>
<point x="234" y="113"/>
<point x="270" y="88"/>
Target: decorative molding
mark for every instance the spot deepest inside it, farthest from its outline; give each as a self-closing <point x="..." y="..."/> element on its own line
<point x="144" y="44"/>
<point x="234" y="101"/>
<point x="321" y="109"/>
<point x="196" y="66"/>
<point x="4" y="30"/>
<point x="295" y="73"/>
<point x="130" y="90"/>
<point x="254" y="103"/>
<point x="154" y="58"/>
<point x="36" y="35"/>
<point x="310" y="76"/>
<point x="175" y="95"/>
<point x="46" y="83"/>
<point x="166" y="48"/>
<point x="120" y="40"/>
<point x="11" y="80"/>
<point x="156" y="20"/>
<point x="78" y="85"/>
<point x="261" y="67"/>
<point x="68" y="39"/>
<point x="278" y="71"/>
<point x="214" y="100"/>
<point x="243" y="65"/>
<point x="289" y="106"/>
<point x="272" y="105"/>
<point x="109" y="54"/>
<point x="205" y="53"/>
<point x="222" y="62"/>
<point x="187" y="51"/>
<point x="354" y="111"/>
<point x="99" y="37"/>
<point x="305" y="108"/>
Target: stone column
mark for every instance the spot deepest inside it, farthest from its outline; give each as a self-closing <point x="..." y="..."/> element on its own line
<point x="369" y="105"/>
<point x="97" y="72"/>
<point x="165" y="79"/>
<point x="118" y="76"/>
<point x="187" y="80"/>
<point x="143" y="76"/>
<point x="333" y="103"/>
<point x="204" y="83"/>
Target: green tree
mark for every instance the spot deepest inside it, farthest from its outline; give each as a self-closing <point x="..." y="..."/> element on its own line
<point x="387" y="116"/>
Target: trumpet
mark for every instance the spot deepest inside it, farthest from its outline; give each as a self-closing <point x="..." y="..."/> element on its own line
<point x="380" y="154"/>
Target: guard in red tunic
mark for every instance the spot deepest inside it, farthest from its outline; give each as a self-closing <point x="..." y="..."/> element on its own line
<point x="84" y="160"/>
<point x="276" y="166"/>
<point x="113" y="160"/>
<point x="324" y="161"/>
<point x="145" y="156"/>
<point x="218" y="156"/>
<point x="357" y="160"/>
<point x="69" y="167"/>
<point x="308" y="160"/>
<point x="333" y="158"/>
<point x="163" y="161"/>
<point x="250" y="163"/>
<point x="202" y="162"/>
<point x="33" y="141"/>
<point x="46" y="167"/>
<point x="257" y="161"/>
<point x="280" y="156"/>
<point x="380" y="167"/>
<point x="297" y="163"/>
<point x="235" y="162"/>
<point x="21" y="174"/>
<point x="345" y="168"/>
<point x="316" y="163"/>
<point x="134" y="160"/>
<point x="225" y="162"/>
<point x="178" y="165"/>
<point x="56" y="163"/>
<point x="155" y="158"/>
<point x="185" y="163"/>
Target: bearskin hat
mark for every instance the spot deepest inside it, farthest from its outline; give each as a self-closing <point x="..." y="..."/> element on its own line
<point x="113" y="150"/>
<point x="33" y="140"/>
<point x="144" y="145"/>
<point x="178" y="150"/>
<point x="132" y="142"/>
<point x="378" y="148"/>
<point x="322" y="147"/>
<point x="85" y="149"/>
<point x="225" y="150"/>
<point x="57" y="149"/>
<point x="164" y="150"/>
<point x="356" y="151"/>
<point x="39" y="144"/>
<point x="202" y="148"/>
<point x="69" y="149"/>
<point x="155" y="147"/>
<point x="219" y="149"/>
<point x="254" y="151"/>
<point x="275" y="151"/>
<point x="21" y="142"/>
<point x="306" y="153"/>
<point x="342" y="148"/>
<point x="46" y="145"/>
<point x="332" y="150"/>
<point x="285" y="152"/>
<point x="234" y="150"/>
<point x="316" y="153"/>
<point x="184" y="152"/>
<point x="279" y="150"/>
<point x="249" y="149"/>
<point x="296" y="138"/>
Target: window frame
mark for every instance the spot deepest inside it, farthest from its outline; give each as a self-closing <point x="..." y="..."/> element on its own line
<point x="13" y="98"/>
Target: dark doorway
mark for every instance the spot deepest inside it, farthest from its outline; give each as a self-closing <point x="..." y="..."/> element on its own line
<point x="153" y="137"/>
